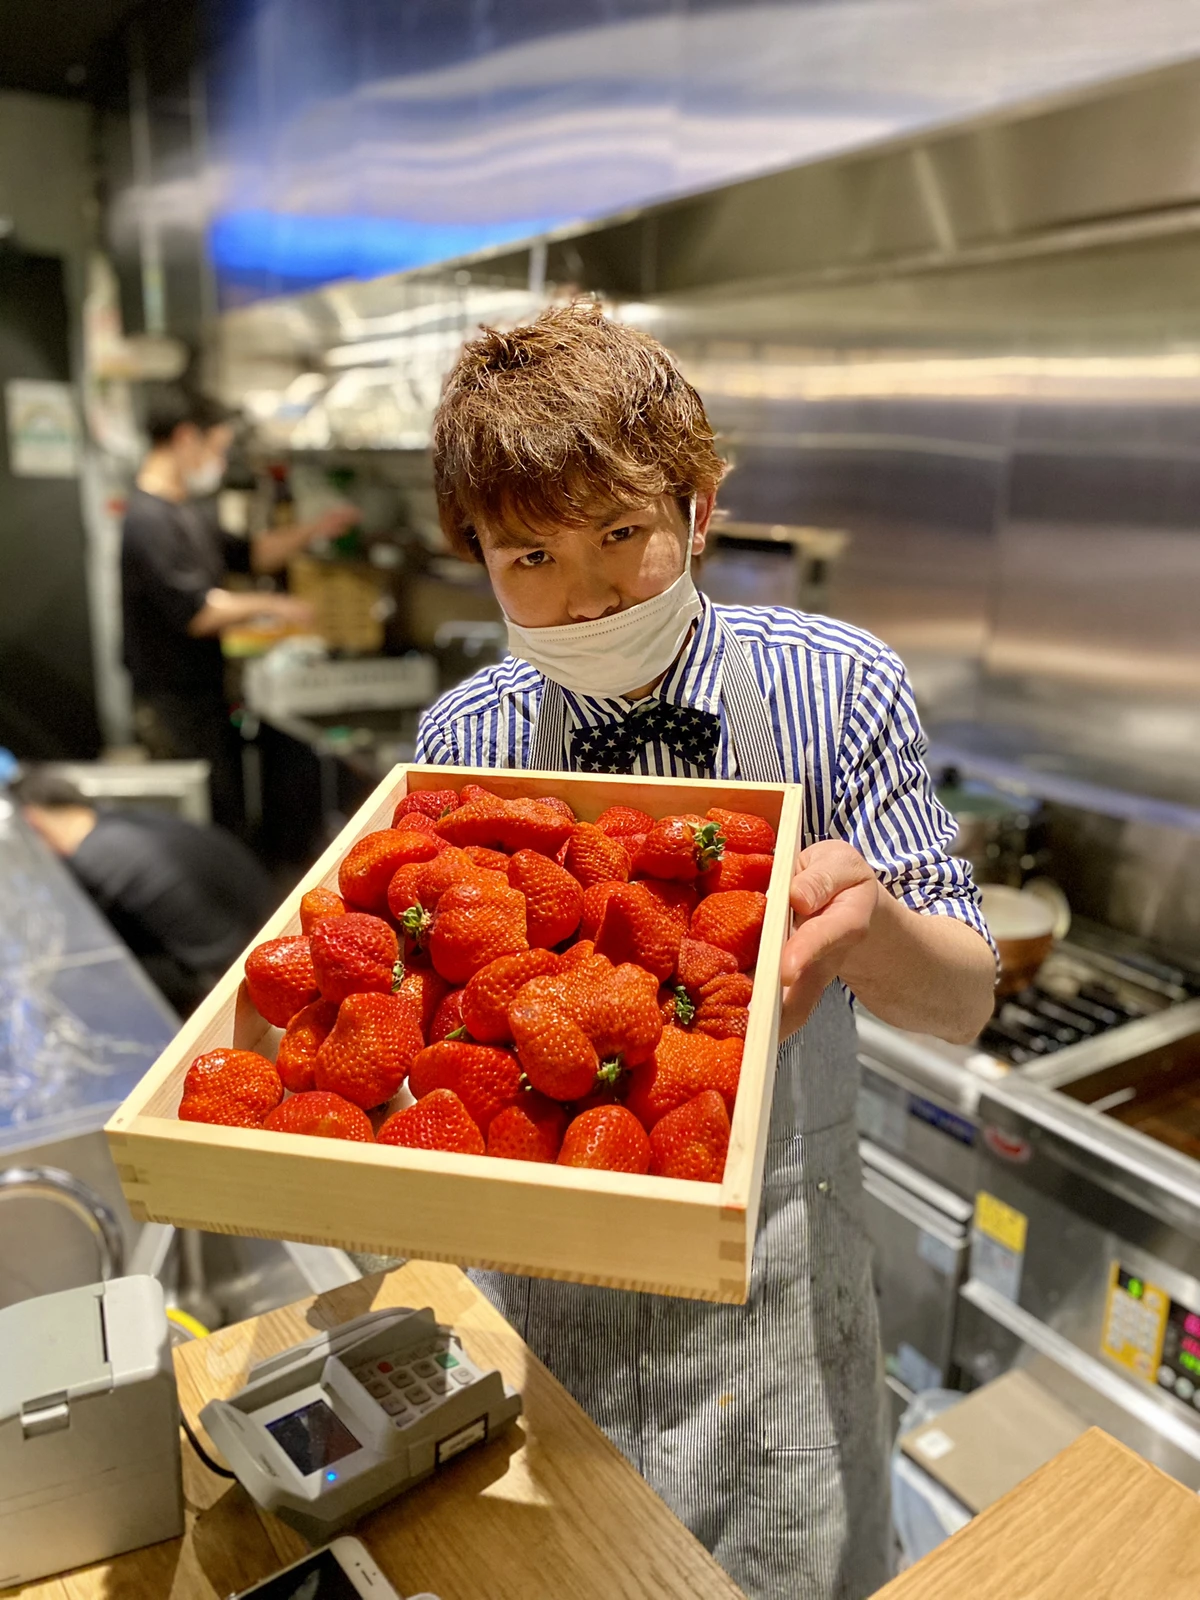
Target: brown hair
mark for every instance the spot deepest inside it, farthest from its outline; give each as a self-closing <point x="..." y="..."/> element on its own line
<point x="557" y="421"/>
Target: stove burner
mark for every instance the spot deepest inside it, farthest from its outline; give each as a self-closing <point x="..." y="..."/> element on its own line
<point x="1036" y="1022"/>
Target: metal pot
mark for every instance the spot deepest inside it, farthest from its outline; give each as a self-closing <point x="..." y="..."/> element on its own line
<point x="993" y="829"/>
<point x="1024" y="928"/>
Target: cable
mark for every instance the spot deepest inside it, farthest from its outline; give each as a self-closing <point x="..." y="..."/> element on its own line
<point x="221" y="1472"/>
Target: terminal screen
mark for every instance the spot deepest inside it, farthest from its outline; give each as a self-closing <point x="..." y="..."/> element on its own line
<point x="313" y="1437"/>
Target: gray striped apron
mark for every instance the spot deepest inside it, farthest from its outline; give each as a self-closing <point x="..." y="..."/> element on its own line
<point x="761" y="1425"/>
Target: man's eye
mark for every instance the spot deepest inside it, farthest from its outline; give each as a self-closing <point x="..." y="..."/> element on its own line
<point x="532" y="558"/>
<point x="619" y="535"/>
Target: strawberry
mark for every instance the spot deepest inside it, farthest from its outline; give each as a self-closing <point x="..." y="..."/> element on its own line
<point x="431" y="803"/>
<point x="553" y="899"/>
<point x="492" y="990"/>
<point x="425" y="989"/>
<point x="636" y="928"/>
<point x="608" y="1138"/>
<point x="677" y="899"/>
<point x="723" y="1010"/>
<point x="448" y="1019"/>
<point x="684" y="1065"/>
<point x="595" y="899"/>
<point x="452" y="866"/>
<point x="698" y="962"/>
<point x="369" y="866"/>
<point x="493" y="860"/>
<point x="577" y="955"/>
<point x="485" y="1079"/>
<point x="370" y="1048"/>
<point x="618" y="822"/>
<point x="418" y="822"/>
<point x="280" y="977"/>
<point x="733" y="921"/>
<point x="236" y="1088"/>
<point x="736" y="871"/>
<point x="507" y="825"/>
<point x="592" y="857"/>
<point x="354" y="954"/>
<point x="438" y="1122"/>
<point x="323" y="1115"/>
<point x="566" y="1024"/>
<point x="692" y="1141"/>
<point x="557" y="1055"/>
<point x="561" y="806"/>
<point x="403" y="893"/>
<point x="317" y="904"/>
<point x="679" y="847"/>
<point x="623" y="1019"/>
<point x="471" y="792"/>
<point x="474" y="923"/>
<point x="532" y="1130"/>
<point x="746" y="834"/>
<point x="306" y="1033"/>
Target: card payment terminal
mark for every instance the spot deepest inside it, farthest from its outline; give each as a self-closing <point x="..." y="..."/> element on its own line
<point x="333" y="1428"/>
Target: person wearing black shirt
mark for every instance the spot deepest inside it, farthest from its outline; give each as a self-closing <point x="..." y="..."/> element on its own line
<point x="174" y="558"/>
<point x="186" y="899"/>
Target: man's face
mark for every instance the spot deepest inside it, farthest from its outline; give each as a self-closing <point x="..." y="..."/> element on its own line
<point x="548" y="577"/>
<point x="202" y="452"/>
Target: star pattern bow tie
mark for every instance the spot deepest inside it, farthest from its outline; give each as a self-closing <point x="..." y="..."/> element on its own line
<point x="614" y="746"/>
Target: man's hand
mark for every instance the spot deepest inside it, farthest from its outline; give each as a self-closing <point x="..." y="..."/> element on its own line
<point x="834" y="894"/>
<point x="333" y="523"/>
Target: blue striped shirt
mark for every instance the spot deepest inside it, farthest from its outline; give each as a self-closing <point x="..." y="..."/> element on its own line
<point x="845" y="724"/>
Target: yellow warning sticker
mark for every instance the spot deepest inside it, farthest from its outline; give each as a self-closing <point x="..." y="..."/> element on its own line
<point x="1000" y="1222"/>
<point x="1135" y="1320"/>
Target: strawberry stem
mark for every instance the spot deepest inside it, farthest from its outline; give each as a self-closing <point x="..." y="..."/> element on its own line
<point x="685" y="1009"/>
<point x="459" y="1033"/>
<point x="710" y="845"/>
<point x="398" y="974"/>
<point x="415" y="922"/>
<point x="610" y="1071"/>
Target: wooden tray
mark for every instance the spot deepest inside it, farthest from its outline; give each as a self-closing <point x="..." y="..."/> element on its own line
<point x="656" y="1234"/>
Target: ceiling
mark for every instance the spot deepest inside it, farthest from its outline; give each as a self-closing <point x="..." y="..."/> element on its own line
<point x="53" y="46"/>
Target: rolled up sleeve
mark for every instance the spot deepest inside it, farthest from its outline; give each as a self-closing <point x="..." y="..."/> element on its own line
<point x="886" y="807"/>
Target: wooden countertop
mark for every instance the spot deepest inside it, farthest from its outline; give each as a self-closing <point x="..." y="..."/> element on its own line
<point x="548" y="1509"/>
<point x="1094" y="1523"/>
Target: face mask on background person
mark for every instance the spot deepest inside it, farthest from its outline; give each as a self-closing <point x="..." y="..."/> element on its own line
<point x="204" y="480"/>
<point x="609" y="656"/>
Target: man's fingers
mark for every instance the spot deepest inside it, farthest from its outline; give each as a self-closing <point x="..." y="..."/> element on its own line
<point x="800" y="1000"/>
<point x="823" y="939"/>
<point x="812" y="888"/>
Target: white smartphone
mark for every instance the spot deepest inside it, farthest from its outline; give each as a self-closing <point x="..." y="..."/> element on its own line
<point x="342" y="1570"/>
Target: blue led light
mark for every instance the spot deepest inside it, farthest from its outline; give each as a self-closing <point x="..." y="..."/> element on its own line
<point x="331" y="1477"/>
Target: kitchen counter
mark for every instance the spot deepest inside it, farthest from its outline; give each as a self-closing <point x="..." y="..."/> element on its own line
<point x="1097" y="1521"/>
<point x="548" y="1509"/>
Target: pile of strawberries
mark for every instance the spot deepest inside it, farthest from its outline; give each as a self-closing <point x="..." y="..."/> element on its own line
<point x="549" y="989"/>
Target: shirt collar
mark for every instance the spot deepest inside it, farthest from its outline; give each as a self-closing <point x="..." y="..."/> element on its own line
<point x="694" y="680"/>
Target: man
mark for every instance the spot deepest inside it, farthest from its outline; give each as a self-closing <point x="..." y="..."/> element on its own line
<point x="185" y="899"/>
<point x="173" y="562"/>
<point x="575" y="462"/>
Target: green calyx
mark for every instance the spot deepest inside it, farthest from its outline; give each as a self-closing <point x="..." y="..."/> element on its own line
<point x="610" y="1072"/>
<point x="415" y="922"/>
<point x="710" y="845"/>
<point x="459" y="1033"/>
<point x="685" y="1010"/>
<point x="398" y="974"/>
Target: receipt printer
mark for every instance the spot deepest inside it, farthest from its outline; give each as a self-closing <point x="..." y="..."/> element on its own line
<point x="89" y="1428"/>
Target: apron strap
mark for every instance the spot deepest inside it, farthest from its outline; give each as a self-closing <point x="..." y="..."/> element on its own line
<point x="548" y="743"/>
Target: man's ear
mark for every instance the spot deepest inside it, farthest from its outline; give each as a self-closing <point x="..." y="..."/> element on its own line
<point x="706" y="504"/>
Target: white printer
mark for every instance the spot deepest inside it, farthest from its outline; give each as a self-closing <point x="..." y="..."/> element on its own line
<point x="89" y="1428"/>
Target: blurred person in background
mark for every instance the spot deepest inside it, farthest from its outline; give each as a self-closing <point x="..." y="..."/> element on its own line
<point x="186" y="899"/>
<point x="174" y="560"/>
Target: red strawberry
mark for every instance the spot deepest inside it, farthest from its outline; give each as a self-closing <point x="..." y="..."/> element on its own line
<point x="553" y="899"/>
<point x="636" y="928"/>
<point x="403" y="893"/>
<point x="438" y="1122"/>
<point x="317" y="904"/>
<point x="236" y="1088"/>
<point x="280" y="977"/>
<point x="485" y="1079"/>
<point x="431" y="803"/>
<point x="623" y="1020"/>
<point x="354" y="954"/>
<point x="608" y="1138"/>
<point x="621" y="821"/>
<point x="323" y="1115"/>
<point x="684" y="1065"/>
<point x="493" y="860"/>
<point x="746" y="834"/>
<point x="735" y="871"/>
<point x="492" y="990"/>
<point x="698" y="962"/>
<point x="561" y="806"/>
<point x="577" y="955"/>
<point x="369" y="866"/>
<point x="558" y="1057"/>
<point x="679" y="847"/>
<point x="452" y="866"/>
<point x="418" y="822"/>
<point x="566" y="1024"/>
<point x="507" y="825"/>
<point x="595" y="899"/>
<point x="677" y="899"/>
<point x="692" y="1141"/>
<point x="448" y="1019"/>
<point x="474" y="923"/>
<point x="475" y="791"/>
<point x="296" y="1058"/>
<point x="370" y="1048"/>
<point x="425" y="989"/>
<point x="733" y="921"/>
<point x="592" y="857"/>
<point x="532" y="1130"/>
<point x="723" y="1011"/>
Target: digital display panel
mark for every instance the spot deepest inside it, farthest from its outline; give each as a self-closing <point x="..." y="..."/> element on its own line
<point x="318" y="1578"/>
<point x="313" y="1437"/>
<point x="1180" y="1369"/>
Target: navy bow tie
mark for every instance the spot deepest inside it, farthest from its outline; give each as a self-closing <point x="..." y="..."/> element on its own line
<point x="614" y="746"/>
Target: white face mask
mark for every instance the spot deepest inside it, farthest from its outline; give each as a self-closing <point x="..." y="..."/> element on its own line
<point x="612" y="655"/>
<point x="204" y="480"/>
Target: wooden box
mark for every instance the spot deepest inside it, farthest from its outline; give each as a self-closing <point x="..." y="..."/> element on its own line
<point x="616" y="1229"/>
